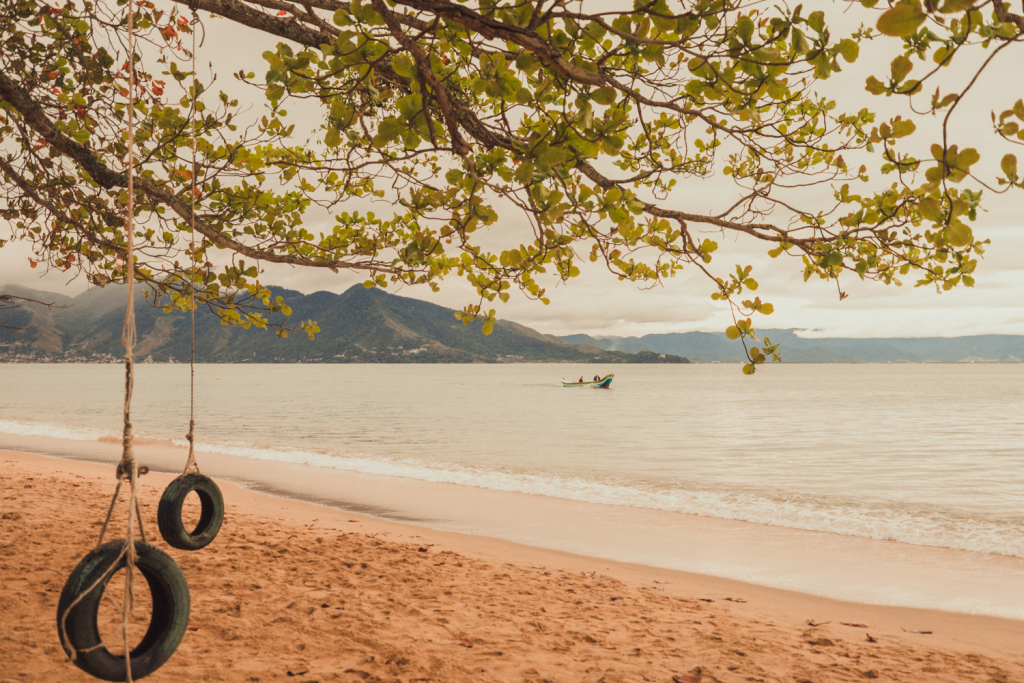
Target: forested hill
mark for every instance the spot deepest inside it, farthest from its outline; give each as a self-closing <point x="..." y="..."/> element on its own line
<point x="360" y="326"/>
<point x="709" y="347"/>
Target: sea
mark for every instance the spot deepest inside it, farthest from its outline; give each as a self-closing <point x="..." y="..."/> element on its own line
<point x="884" y="483"/>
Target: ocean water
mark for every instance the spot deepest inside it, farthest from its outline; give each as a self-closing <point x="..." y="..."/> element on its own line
<point x="924" y="455"/>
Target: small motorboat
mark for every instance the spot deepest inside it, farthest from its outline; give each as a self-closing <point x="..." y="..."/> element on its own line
<point x="602" y="383"/>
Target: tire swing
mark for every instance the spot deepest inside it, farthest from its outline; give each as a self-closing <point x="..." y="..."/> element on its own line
<point x="79" y="604"/>
<point x="168" y="515"/>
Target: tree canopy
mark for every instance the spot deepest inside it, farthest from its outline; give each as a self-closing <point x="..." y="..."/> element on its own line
<point x="582" y="127"/>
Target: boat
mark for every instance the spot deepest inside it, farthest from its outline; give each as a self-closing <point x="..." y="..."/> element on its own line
<point x="602" y="383"/>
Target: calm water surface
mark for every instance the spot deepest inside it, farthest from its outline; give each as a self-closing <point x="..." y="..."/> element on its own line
<point x="923" y="454"/>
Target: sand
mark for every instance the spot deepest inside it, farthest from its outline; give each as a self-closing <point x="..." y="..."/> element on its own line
<point x="300" y="592"/>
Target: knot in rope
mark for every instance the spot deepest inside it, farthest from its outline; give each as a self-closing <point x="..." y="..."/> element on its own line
<point x="124" y="470"/>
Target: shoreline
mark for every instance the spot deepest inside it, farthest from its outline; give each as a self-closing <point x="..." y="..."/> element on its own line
<point x="778" y="615"/>
<point x="846" y="568"/>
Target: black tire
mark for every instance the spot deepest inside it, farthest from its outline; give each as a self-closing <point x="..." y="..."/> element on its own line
<point x="80" y="632"/>
<point x="168" y="513"/>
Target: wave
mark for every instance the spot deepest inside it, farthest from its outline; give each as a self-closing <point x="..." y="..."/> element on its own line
<point x="79" y="433"/>
<point x="917" y="527"/>
<point x="56" y="431"/>
<point x="928" y="528"/>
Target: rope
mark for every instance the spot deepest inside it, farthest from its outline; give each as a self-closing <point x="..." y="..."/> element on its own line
<point x="128" y="468"/>
<point x="106" y="574"/>
<point x="190" y="464"/>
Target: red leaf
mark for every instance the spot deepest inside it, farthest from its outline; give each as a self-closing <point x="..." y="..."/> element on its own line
<point x="465" y="643"/>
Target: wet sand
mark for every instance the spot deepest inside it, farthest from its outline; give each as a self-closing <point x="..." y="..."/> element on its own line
<point x="301" y="592"/>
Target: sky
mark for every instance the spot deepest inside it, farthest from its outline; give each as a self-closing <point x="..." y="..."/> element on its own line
<point x="597" y="303"/>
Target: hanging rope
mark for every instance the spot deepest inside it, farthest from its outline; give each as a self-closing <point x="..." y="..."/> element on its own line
<point x="169" y="511"/>
<point x="190" y="465"/>
<point x="133" y="496"/>
<point x="128" y="468"/>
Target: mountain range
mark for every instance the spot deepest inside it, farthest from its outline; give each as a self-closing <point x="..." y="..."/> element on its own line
<point x="359" y="326"/>
<point x="371" y="326"/>
<point x="717" y="348"/>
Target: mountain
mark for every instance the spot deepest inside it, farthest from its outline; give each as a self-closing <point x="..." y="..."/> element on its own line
<point x="359" y="326"/>
<point x="717" y="348"/>
<point x="626" y="344"/>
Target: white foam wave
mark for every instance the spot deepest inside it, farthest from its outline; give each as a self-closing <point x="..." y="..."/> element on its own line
<point x="54" y="431"/>
<point x="931" y="528"/>
<point x="878" y="522"/>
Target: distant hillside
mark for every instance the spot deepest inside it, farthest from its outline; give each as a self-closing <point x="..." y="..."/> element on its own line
<point x="359" y="326"/>
<point x="709" y="347"/>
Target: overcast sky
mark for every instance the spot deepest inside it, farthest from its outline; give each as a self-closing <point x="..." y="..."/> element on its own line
<point x="597" y="303"/>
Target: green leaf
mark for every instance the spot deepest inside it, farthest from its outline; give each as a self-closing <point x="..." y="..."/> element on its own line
<point x="901" y="66"/>
<point x="903" y="128"/>
<point x="745" y="28"/>
<point x="941" y="55"/>
<point x="931" y="209"/>
<point x="800" y="45"/>
<point x="902" y="20"/>
<point x="733" y="332"/>
<point x="403" y="65"/>
<point x="1009" y="165"/>
<point x="342" y="17"/>
<point x="333" y="137"/>
<point x="604" y="95"/>
<point x="816" y="20"/>
<point x="967" y="158"/>
<point x="387" y="130"/>
<point x="749" y="369"/>
<point x="959" y="235"/>
<point x="612" y="144"/>
<point x="875" y="86"/>
<point x="275" y="92"/>
<point x="849" y="49"/>
<point x="953" y="6"/>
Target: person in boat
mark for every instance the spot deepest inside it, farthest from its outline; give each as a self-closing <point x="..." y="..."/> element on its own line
<point x="581" y="379"/>
<point x="597" y="378"/>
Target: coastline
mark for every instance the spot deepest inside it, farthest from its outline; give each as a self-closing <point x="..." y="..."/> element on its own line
<point x="769" y="627"/>
<point x="847" y="568"/>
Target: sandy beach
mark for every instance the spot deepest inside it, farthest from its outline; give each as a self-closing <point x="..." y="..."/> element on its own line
<point x="301" y="592"/>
